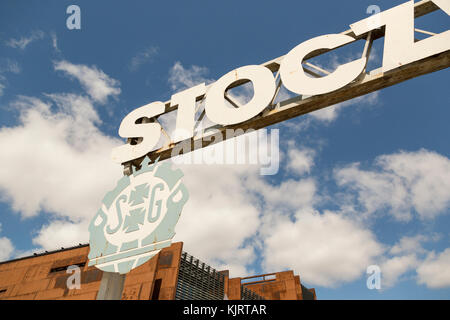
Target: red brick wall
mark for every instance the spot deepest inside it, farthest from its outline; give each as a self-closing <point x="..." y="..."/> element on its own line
<point x="234" y="289"/>
<point x="139" y="283"/>
<point x="286" y="286"/>
<point x="31" y="278"/>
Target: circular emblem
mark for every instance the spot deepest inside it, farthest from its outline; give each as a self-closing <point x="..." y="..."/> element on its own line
<point x="137" y="219"/>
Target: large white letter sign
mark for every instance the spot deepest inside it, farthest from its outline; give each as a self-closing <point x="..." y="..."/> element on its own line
<point x="399" y="46"/>
<point x="263" y="91"/>
<point x="403" y="59"/>
<point x="295" y="79"/>
<point x="149" y="132"/>
<point x="186" y="101"/>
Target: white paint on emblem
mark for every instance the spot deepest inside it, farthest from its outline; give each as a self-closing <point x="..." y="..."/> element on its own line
<point x="159" y="203"/>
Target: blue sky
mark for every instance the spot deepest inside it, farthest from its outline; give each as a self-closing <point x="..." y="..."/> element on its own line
<point x="365" y="182"/>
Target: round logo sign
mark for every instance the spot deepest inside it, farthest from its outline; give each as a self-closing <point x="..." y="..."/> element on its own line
<point x="137" y="219"/>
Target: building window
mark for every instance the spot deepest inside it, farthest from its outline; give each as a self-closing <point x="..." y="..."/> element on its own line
<point x="58" y="269"/>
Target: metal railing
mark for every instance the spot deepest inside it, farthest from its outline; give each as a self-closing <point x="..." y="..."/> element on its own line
<point x="198" y="281"/>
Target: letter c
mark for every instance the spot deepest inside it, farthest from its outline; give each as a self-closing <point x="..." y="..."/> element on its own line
<point x="294" y="78"/>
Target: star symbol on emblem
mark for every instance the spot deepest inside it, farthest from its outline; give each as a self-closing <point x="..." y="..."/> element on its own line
<point x="138" y="195"/>
<point x="134" y="219"/>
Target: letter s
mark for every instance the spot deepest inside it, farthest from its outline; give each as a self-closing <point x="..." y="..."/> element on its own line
<point x="149" y="132"/>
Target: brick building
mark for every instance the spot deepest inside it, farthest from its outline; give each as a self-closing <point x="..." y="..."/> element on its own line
<point x="171" y="274"/>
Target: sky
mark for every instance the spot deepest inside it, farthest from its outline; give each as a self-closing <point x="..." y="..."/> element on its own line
<point x="365" y="182"/>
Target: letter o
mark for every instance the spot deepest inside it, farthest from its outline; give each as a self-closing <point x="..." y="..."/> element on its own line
<point x="263" y="86"/>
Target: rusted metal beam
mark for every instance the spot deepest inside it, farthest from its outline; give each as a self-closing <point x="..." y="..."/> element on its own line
<point x="373" y="81"/>
<point x="420" y="8"/>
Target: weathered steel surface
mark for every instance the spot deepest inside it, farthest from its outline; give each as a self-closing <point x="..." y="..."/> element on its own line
<point x="296" y="106"/>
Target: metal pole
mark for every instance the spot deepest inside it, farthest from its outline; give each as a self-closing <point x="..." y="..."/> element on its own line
<point x="111" y="286"/>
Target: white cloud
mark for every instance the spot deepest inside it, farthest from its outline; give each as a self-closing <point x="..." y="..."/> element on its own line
<point x="410" y="245"/>
<point x="393" y="268"/>
<point x="182" y="78"/>
<point x="434" y="272"/>
<point x="96" y="83"/>
<point x="220" y="216"/>
<point x="7" y="65"/>
<point x="142" y="57"/>
<point x="223" y="206"/>
<point x="62" y="234"/>
<point x="242" y="212"/>
<point x="330" y="113"/>
<point x="6" y="247"/>
<point x="325" y="249"/>
<point x="427" y="175"/>
<point x="405" y="182"/>
<point x="54" y="41"/>
<point x="57" y="161"/>
<point x="300" y="161"/>
<point x="376" y="190"/>
<point x="10" y="65"/>
<point x="284" y="95"/>
<point x="403" y="257"/>
<point x="241" y="94"/>
<point x="290" y="195"/>
<point x="23" y="42"/>
<point x="2" y="86"/>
